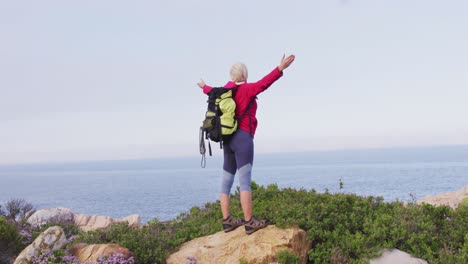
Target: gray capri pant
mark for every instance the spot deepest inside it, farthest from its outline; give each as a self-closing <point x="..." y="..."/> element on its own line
<point x="238" y="156"/>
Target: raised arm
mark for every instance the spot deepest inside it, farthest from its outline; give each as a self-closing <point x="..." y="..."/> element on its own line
<point x="269" y="79"/>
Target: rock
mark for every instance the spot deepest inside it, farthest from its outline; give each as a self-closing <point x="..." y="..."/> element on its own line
<point x="133" y="220"/>
<point x="93" y="222"/>
<point x="91" y="253"/>
<point x="51" y="239"/>
<point x="85" y="222"/>
<point x="452" y="199"/>
<point x="44" y="216"/>
<point x="396" y="256"/>
<point x="260" y="247"/>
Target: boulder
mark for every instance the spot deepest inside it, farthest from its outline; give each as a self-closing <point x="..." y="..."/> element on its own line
<point x="452" y="199"/>
<point x="260" y="247"/>
<point x="44" y="216"/>
<point x="132" y="220"/>
<point x="51" y="239"/>
<point x="91" y="253"/>
<point x="396" y="256"/>
<point x="93" y="222"/>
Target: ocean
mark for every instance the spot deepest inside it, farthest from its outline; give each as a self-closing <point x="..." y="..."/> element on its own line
<point x="164" y="188"/>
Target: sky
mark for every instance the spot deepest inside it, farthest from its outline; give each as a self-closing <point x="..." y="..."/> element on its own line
<point x="109" y="80"/>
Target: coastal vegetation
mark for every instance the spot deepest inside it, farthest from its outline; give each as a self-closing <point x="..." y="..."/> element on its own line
<point x="343" y="228"/>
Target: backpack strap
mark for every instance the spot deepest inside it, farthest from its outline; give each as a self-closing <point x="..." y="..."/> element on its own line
<point x="202" y="147"/>
<point x="234" y="91"/>
<point x="246" y="109"/>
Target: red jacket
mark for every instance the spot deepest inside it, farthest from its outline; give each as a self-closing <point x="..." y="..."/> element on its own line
<point x="245" y="93"/>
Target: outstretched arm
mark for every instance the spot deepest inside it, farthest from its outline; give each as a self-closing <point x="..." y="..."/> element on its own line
<point x="270" y="78"/>
<point x="202" y="85"/>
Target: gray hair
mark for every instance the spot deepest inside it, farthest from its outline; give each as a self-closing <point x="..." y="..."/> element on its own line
<point x="239" y="72"/>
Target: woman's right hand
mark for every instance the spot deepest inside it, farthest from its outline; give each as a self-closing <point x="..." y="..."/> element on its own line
<point x="201" y="84"/>
<point x="286" y="61"/>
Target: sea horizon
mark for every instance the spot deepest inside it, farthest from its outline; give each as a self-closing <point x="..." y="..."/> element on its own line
<point x="166" y="187"/>
<point x="462" y="149"/>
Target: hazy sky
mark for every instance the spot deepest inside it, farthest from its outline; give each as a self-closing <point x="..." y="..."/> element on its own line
<point x="85" y="80"/>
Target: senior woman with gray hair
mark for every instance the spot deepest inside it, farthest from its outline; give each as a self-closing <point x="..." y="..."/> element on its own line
<point x="239" y="150"/>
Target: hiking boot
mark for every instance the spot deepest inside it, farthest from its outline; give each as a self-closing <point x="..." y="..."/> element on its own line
<point x="231" y="223"/>
<point x="254" y="224"/>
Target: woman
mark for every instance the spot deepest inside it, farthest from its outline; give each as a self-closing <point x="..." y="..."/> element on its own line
<point x="239" y="150"/>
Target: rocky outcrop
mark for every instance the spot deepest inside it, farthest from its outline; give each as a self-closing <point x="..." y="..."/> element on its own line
<point x="83" y="221"/>
<point x="44" y="216"/>
<point x="91" y="253"/>
<point x="51" y="239"/>
<point x="396" y="256"/>
<point x="132" y="220"/>
<point x="260" y="247"/>
<point x="93" y="222"/>
<point x="452" y="199"/>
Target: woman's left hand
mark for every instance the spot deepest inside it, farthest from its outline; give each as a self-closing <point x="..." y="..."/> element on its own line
<point x="286" y="61"/>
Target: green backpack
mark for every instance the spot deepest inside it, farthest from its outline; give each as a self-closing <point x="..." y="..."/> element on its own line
<point x="220" y="121"/>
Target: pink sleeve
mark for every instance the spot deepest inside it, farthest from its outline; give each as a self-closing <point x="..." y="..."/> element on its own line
<point x="265" y="82"/>
<point x="207" y="89"/>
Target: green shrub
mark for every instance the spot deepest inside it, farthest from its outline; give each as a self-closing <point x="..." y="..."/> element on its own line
<point x="464" y="201"/>
<point x="10" y="242"/>
<point x="243" y="261"/>
<point x="156" y="240"/>
<point x="286" y="257"/>
<point x="350" y="228"/>
<point x="343" y="228"/>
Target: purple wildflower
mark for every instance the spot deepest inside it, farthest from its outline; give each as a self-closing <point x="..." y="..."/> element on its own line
<point x="117" y="258"/>
<point x="191" y="260"/>
<point x="70" y="259"/>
